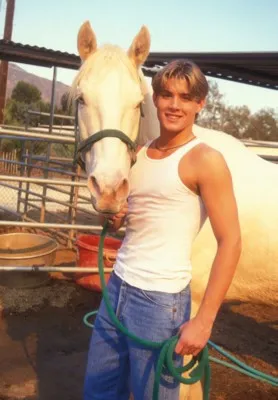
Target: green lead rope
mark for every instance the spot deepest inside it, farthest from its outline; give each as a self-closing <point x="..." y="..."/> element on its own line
<point x="200" y="363"/>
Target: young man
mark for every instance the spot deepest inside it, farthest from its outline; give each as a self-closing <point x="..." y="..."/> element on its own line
<point x="176" y="183"/>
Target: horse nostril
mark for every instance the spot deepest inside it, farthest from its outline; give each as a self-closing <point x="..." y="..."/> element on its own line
<point x="125" y="183"/>
<point x="94" y="184"/>
<point x="123" y="188"/>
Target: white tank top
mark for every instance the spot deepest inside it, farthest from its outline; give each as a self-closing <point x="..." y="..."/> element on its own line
<point x="164" y="217"/>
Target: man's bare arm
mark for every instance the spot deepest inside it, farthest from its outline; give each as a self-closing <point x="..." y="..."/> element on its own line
<point x="217" y="192"/>
<point x="216" y="189"/>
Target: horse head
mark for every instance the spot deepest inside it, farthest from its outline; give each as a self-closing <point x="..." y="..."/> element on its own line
<point x="109" y="93"/>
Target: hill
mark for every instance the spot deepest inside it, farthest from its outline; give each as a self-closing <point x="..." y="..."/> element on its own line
<point x="17" y="73"/>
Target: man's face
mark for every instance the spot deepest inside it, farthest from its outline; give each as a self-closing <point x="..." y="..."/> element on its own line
<point x="176" y="110"/>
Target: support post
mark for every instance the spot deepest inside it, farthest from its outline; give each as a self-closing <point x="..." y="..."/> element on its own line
<point x="4" y="66"/>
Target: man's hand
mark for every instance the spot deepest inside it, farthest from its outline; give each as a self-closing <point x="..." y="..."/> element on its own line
<point x="194" y="335"/>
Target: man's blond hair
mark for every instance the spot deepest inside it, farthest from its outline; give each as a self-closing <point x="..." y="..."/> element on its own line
<point x="183" y="70"/>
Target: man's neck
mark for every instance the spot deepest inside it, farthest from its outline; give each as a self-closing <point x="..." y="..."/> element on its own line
<point x="167" y="138"/>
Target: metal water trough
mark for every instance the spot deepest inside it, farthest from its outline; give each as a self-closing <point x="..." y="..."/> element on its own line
<point x="26" y="250"/>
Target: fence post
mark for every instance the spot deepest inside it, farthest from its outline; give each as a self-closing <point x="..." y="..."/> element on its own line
<point x="74" y="201"/>
<point x="21" y="173"/>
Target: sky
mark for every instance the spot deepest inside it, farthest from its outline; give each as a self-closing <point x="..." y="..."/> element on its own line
<point x="175" y="25"/>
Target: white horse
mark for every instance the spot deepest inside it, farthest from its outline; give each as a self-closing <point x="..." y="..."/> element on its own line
<point x="110" y="88"/>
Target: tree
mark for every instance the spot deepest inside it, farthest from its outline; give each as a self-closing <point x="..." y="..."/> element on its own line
<point x="7" y="145"/>
<point x="26" y="93"/>
<point x="263" y="125"/>
<point x="66" y="107"/>
<point x="236" y="120"/>
<point x="15" y="112"/>
<point x="24" y="97"/>
<point x="66" y="103"/>
<point x="212" y="115"/>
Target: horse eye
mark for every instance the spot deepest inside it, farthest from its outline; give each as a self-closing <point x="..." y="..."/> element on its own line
<point x="80" y="100"/>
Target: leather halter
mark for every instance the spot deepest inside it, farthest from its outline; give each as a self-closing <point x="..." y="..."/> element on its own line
<point x="85" y="145"/>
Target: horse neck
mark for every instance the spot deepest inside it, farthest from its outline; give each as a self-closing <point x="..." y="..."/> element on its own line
<point x="149" y="126"/>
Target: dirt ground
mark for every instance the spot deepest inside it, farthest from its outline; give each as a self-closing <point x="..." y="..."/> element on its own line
<point x="43" y="343"/>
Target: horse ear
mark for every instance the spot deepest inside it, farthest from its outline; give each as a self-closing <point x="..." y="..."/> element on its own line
<point x="86" y="41"/>
<point x="140" y="47"/>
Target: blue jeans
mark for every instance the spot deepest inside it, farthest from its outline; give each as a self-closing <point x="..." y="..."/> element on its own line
<point x="117" y="366"/>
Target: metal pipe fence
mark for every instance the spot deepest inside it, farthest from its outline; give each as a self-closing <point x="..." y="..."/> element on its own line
<point x="38" y="195"/>
<point x="42" y="181"/>
<point x="47" y="193"/>
<point x="5" y="133"/>
<point x="96" y="229"/>
<point x="32" y="225"/>
<point x="47" y="268"/>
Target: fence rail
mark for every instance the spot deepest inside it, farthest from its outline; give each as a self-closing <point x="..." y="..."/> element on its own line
<point x="42" y="186"/>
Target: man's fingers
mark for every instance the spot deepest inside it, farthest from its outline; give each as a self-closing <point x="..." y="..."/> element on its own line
<point x="178" y="348"/>
<point x="191" y="350"/>
<point x="196" y="352"/>
<point x="184" y="349"/>
<point x="187" y="351"/>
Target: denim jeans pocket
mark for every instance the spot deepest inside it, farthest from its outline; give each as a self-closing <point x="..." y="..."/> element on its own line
<point x="165" y="300"/>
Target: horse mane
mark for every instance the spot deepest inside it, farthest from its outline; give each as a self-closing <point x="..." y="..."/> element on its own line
<point x="149" y="126"/>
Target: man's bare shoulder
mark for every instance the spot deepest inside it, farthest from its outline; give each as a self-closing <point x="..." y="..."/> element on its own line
<point x="203" y="150"/>
<point x="207" y="156"/>
<point x="201" y="165"/>
<point x="210" y="161"/>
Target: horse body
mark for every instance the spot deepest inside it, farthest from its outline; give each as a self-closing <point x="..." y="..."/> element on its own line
<point x="108" y="163"/>
<point x="256" y="190"/>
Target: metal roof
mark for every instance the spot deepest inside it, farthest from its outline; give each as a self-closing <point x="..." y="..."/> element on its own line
<point x="253" y="68"/>
<point x="39" y="56"/>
